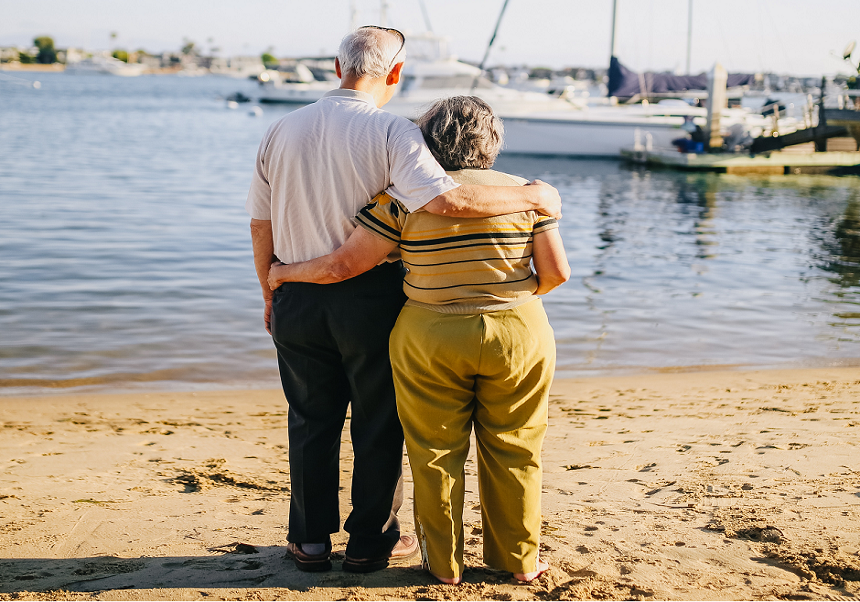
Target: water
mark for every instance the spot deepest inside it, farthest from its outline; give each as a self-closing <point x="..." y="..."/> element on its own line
<point x="125" y="257"/>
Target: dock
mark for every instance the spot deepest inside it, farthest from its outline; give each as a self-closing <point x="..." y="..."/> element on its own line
<point x="777" y="162"/>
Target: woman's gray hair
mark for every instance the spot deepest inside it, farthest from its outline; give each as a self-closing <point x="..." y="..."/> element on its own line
<point x="462" y="133"/>
<point x="369" y="52"/>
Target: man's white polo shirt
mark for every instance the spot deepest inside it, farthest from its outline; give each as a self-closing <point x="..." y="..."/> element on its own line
<point x="319" y="165"/>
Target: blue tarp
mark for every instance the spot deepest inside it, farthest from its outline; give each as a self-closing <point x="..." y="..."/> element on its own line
<point x="625" y="83"/>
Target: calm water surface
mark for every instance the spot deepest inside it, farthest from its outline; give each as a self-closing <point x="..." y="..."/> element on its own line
<point x="125" y="258"/>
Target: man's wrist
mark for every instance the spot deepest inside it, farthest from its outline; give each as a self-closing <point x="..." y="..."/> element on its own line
<point x="535" y="197"/>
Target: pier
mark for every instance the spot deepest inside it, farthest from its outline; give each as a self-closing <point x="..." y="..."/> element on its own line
<point x="774" y="163"/>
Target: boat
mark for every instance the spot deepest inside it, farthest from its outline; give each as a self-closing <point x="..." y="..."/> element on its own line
<point x="105" y="65"/>
<point x="240" y="67"/>
<point x="602" y="131"/>
<point x="300" y="85"/>
<point x="430" y="73"/>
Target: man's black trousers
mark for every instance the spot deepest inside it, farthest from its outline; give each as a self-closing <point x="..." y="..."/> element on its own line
<point x="332" y="342"/>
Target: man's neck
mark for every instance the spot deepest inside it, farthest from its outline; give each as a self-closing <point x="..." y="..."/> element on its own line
<point x="374" y="87"/>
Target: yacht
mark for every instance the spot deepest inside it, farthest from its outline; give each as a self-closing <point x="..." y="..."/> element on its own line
<point x="240" y="67"/>
<point x="602" y="131"/>
<point x="300" y="85"/>
<point x="430" y="76"/>
<point x="105" y="65"/>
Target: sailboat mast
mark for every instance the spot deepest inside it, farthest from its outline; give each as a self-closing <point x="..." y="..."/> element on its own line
<point x="426" y="16"/>
<point x="489" y="46"/>
<point x="383" y="14"/>
<point x="613" y="50"/>
<point x="689" y="33"/>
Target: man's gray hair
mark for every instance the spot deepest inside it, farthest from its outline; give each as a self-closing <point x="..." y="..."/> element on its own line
<point x="462" y="133"/>
<point x="370" y="52"/>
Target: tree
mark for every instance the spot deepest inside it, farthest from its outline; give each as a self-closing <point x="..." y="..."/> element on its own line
<point x="122" y="55"/>
<point x="268" y="59"/>
<point x="189" y="46"/>
<point x="47" y="53"/>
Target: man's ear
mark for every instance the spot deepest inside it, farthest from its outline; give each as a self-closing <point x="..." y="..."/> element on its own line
<point x="337" y="68"/>
<point x="394" y="75"/>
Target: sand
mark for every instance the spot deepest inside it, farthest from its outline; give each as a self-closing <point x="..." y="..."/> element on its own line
<point x="711" y="485"/>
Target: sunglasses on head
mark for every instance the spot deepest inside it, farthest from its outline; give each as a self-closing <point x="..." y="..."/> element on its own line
<point x="397" y="32"/>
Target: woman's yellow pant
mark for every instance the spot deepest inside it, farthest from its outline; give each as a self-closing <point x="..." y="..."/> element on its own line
<point x="492" y="370"/>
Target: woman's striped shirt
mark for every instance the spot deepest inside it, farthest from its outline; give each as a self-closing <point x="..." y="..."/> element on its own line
<point x="458" y="265"/>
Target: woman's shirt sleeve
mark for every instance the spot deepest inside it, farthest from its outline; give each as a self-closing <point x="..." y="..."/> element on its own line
<point x="544" y="223"/>
<point x="383" y="216"/>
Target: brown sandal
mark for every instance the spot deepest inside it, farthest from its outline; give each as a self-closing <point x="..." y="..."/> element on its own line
<point x="310" y="563"/>
<point x="404" y="549"/>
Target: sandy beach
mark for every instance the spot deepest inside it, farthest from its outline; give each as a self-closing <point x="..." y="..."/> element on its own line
<point x="708" y="485"/>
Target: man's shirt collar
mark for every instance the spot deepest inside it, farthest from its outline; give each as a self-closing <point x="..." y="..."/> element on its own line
<point x="348" y="93"/>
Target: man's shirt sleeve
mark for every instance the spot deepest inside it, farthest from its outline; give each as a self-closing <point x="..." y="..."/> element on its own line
<point x="384" y="217"/>
<point x="259" y="203"/>
<point x="416" y="177"/>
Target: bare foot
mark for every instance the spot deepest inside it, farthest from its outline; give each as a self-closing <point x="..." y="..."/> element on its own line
<point x="542" y="568"/>
<point x="448" y="580"/>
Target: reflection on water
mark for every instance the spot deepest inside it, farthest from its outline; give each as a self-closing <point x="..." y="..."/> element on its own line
<point x="843" y="254"/>
<point x="702" y="201"/>
<point x="126" y="255"/>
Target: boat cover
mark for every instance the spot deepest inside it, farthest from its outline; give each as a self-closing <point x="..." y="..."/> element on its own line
<point x="624" y="83"/>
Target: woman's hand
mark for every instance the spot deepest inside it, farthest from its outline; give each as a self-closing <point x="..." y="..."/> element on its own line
<point x="274" y="280"/>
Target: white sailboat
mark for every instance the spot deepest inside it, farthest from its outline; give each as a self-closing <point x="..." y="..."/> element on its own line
<point x="431" y="73"/>
<point x="240" y="67"/>
<point x="105" y="65"/>
<point x="299" y="87"/>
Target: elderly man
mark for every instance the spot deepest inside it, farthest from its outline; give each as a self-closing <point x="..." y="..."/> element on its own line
<point x="316" y="167"/>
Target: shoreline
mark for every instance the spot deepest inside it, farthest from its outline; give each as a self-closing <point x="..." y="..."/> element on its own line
<point x="738" y="484"/>
<point x="159" y="381"/>
<point x="33" y="67"/>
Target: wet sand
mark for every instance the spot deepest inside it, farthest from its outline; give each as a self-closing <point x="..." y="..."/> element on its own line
<point x="710" y="485"/>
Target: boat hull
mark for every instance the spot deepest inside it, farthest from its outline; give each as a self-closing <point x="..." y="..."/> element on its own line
<point x="584" y="138"/>
<point x="294" y="94"/>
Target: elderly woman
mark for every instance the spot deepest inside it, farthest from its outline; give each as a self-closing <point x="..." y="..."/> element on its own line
<point x="472" y="346"/>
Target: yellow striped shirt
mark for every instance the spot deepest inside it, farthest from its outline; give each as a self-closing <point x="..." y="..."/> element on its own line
<point x="458" y="265"/>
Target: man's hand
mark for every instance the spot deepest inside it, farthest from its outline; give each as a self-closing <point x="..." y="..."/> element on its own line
<point x="274" y="281"/>
<point x="267" y="315"/>
<point x="550" y="201"/>
<point x="470" y="200"/>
